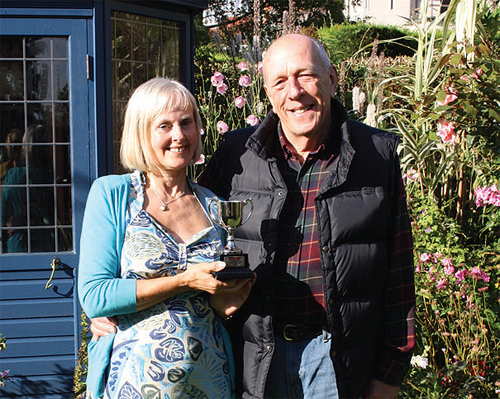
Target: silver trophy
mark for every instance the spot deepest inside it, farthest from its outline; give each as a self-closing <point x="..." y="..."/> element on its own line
<point x="229" y="215"/>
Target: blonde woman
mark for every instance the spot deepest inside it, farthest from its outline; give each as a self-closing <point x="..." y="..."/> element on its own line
<point x="148" y="256"/>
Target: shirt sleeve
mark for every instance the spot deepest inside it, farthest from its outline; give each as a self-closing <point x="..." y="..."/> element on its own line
<point x="102" y="292"/>
<point x="393" y="358"/>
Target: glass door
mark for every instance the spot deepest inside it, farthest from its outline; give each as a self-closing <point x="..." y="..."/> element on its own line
<point x="44" y="177"/>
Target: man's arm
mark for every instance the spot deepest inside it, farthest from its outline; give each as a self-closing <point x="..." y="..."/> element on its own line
<point x="393" y="358"/>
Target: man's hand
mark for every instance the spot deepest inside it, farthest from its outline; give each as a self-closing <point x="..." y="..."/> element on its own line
<point x="228" y="300"/>
<point x="380" y="390"/>
<point x="103" y="326"/>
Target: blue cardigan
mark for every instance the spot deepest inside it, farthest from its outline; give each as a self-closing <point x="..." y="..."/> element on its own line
<point x="101" y="290"/>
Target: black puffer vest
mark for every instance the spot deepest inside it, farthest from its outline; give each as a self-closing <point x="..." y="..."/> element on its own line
<point x="353" y="223"/>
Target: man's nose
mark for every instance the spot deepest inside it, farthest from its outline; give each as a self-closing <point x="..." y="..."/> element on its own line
<point x="295" y="88"/>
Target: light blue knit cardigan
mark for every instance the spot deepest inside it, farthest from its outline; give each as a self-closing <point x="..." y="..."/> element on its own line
<point x="101" y="290"/>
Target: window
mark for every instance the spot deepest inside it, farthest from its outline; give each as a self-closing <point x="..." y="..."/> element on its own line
<point x="35" y="161"/>
<point x="142" y="48"/>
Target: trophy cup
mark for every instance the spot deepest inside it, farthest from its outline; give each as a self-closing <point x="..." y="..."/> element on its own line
<point x="229" y="216"/>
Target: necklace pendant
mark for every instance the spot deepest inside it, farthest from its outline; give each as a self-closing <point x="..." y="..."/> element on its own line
<point x="163" y="208"/>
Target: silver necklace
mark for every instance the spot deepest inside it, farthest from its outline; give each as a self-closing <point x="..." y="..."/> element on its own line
<point x="164" y="204"/>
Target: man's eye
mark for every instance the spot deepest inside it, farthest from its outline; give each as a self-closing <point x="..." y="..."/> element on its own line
<point x="279" y="83"/>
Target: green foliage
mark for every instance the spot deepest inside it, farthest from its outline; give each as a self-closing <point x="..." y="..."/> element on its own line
<point x="4" y="375"/>
<point x="345" y="40"/>
<point x="458" y="324"/>
<point x="79" y="385"/>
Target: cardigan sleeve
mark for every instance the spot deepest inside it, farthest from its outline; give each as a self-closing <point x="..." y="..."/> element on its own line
<point x="102" y="292"/>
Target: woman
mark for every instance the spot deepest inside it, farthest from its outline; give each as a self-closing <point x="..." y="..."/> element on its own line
<point x="148" y="255"/>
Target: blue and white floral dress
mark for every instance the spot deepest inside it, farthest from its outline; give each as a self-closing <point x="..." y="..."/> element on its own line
<point x="176" y="348"/>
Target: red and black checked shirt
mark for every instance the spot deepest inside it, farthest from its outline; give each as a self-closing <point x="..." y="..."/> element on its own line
<point x="299" y="296"/>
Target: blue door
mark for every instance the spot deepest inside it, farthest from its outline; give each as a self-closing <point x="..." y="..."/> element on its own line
<point x="45" y="141"/>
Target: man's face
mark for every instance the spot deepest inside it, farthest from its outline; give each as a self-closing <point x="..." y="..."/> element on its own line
<point x="299" y="86"/>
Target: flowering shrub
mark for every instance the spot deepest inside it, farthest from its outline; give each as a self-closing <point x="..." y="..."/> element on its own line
<point x="230" y="99"/>
<point x="458" y="323"/>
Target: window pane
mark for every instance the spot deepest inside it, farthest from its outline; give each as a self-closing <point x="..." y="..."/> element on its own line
<point x="63" y="166"/>
<point x="12" y="48"/>
<point x="65" y="240"/>
<point x="38" y="47"/>
<point x="38" y="80"/>
<point x="11" y="80"/>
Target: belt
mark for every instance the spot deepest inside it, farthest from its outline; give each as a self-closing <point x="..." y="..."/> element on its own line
<point x="297" y="332"/>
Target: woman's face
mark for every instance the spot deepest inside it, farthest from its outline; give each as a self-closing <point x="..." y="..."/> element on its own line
<point x="173" y="139"/>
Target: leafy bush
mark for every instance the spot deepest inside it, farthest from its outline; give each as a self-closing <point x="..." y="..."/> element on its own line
<point x="458" y="325"/>
<point x="345" y="40"/>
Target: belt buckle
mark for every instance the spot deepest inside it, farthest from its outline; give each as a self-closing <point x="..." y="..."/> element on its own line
<point x="286" y="334"/>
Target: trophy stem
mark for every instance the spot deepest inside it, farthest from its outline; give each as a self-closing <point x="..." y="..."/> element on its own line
<point x="230" y="247"/>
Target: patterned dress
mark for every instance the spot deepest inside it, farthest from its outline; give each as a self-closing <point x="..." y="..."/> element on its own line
<point x="174" y="349"/>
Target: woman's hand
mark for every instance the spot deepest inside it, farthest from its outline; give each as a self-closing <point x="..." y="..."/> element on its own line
<point x="197" y="277"/>
<point x="201" y="277"/>
<point x="102" y="326"/>
<point x="227" y="300"/>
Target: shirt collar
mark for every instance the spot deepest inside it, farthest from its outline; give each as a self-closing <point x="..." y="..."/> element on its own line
<point x="330" y="147"/>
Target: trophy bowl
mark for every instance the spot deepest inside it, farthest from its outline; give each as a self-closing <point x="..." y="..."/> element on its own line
<point x="229" y="216"/>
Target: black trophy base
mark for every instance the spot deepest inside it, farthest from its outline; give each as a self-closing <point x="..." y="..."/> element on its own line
<point x="236" y="267"/>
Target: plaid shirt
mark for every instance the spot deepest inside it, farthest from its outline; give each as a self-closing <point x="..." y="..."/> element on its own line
<point x="299" y="296"/>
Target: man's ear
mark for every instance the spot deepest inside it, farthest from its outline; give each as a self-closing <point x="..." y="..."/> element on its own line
<point x="334" y="79"/>
<point x="269" y="97"/>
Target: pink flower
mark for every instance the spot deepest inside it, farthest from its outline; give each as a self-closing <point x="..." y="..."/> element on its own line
<point x="450" y="96"/>
<point x="217" y="78"/>
<point x="460" y="275"/>
<point x="446" y="131"/>
<point x="446" y="262"/>
<point x="411" y="175"/>
<point x="243" y="66"/>
<point x="476" y="273"/>
<point x="425" y="257"/>
<point x="239" y="101"/>
<point x="222" y="127"/>
<point x="252" y="120"/>
<point x="485" y="277"/>
<point x="221" y="88"/>
<point x="201" y="160"/>
<point x="487" y="196"/>
<point x="441" y="283"/>
<point x="478" y="73"/>
<point x="244" y="81"/>
<point x="449" y="270"/>
<point x="260" y="67"/>
<point x="448" y="267"/>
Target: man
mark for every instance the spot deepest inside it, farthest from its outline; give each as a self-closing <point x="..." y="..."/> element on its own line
<point x="332" y="312"/>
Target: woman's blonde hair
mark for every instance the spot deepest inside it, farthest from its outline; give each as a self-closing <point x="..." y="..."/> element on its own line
<point x="146" y="103"/>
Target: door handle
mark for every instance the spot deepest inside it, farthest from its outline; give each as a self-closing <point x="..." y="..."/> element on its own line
<point x="55" y="264"/>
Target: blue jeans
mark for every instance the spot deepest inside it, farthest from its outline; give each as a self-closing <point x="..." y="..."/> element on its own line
<point x="302" y="369"/>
